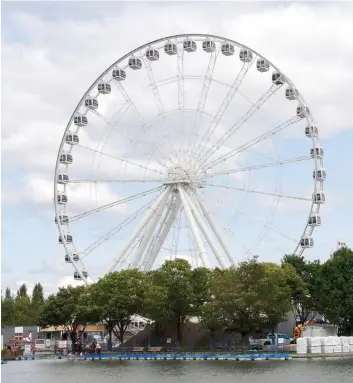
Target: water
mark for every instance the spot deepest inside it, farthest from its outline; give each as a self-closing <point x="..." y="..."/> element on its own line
<point x="66" y="371"/>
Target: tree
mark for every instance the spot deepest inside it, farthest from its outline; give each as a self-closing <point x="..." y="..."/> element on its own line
<point x="253" y="295"/>
<point x="213" y="317"/>
<point x="37" y="301"/>
<point x="116" y="297"/>
<point x="334" y="290"/>
<point x="302" y="295"/>
<point x="7" y="309"/>
<point x="175" y="277"/>
<point x="201" y="278"/>
<point x="22" y="308"/>
<point x="68" y="308"/>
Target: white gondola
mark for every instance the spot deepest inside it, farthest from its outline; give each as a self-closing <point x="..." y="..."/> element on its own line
<point x="317" y="152"/>
<point x="75" y="258"/>
<point x="67" y="238"/>
<point x="119" y="74"/>
<point x="314" y="220"/>
<point x="319" y="197"/>
<point x="91" y="103"/>
<point x="72" y="138"/>
<point x="80" y="120"/>
<point x="227" y="49"/>
<point x="135" y="63"/>
<point x="278" y="78"/>
<point x="63" y="178"/>
<point x="319" y="174"/>
<point x="66" y="158"/>
<point x="189" y="45"/>
<point x="291" y="94"/>
<point x="104" y="88"/>
<point x="170" y="49"/>
<point x="245" y="55"/>
<point x="311" y="131"/>
<point x="303" y="111"/>
<point x="262" y="65"/>
<point x="64" y="219"/>
<point x="209" y="46"/>
<point x="77" y="276"/>
<point x="152" y="54"/>
<point x="307" y="241"/>
<point x="61" y="198"/>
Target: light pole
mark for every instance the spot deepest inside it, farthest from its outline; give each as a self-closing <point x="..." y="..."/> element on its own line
<point x="149" y="333"/>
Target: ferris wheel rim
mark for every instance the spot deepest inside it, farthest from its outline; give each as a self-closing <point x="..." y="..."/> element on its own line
<point x="315" y="207"/>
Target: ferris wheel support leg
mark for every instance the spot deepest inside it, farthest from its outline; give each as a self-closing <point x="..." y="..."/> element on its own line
<point x="157" y="247"/>
<point x="208" y="215"/>
<point x="205" y="232"/>
<point x="151" y="227"/>
<point x="193" y="225"/>
<point x="139" y="228"/>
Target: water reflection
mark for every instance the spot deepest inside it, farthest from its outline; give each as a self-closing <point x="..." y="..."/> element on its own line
<point x="59" y="371"/>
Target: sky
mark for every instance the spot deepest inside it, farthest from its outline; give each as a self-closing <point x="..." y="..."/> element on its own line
<point x="52" y="52"/>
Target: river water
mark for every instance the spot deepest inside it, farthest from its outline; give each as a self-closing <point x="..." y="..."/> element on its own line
<point x="77" y="371"/>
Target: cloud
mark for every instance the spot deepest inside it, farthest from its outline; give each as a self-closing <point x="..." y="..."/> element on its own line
<point x="49" y="62"/>
<point x="69" y="281"/>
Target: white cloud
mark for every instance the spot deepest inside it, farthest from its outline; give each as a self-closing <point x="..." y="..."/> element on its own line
<point x="47" y="71"/>
<point x="69" y="281"/>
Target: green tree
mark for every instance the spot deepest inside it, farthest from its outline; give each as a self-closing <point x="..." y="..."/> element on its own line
<point x="22" y="308"/>
<point x="213" y="317"/>
<point x="201" y="278"/>
<point x="68" y="308"/>
<point x="302" y="295"/>
<point x="116" y="297"/>
<point x="155" y="306"/>
<point x="7" y="309"/>
<point x="37" y="301"/>
<point x="253" y="295"/>
<point x="175" y="277"/>
<point x="334" y="290"/>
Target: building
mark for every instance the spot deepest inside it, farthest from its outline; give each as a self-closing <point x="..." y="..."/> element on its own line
<point x="19" y="333"/>
<point x="90" y="333"/>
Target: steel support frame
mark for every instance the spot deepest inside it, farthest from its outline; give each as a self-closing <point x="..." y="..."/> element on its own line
<point x="208" y="215"/>
<point x="193" y="225"/>
<point x="205" y="231"/>
<point x="163" y="235"/>
<point x="151" y="211"/>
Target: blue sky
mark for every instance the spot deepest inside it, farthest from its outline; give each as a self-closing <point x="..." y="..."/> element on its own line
<point x="51" y="53"/>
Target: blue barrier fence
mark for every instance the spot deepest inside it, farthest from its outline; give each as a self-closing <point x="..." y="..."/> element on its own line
<point x="163" y="356"/>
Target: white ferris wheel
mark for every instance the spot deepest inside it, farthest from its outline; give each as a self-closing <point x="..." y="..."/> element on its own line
<point x="189" y="146"/>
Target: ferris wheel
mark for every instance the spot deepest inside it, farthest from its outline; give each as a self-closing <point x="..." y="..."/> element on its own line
<point x="189" y="146"/>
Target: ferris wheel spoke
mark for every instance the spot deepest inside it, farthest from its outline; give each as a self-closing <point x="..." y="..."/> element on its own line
<point x="181" y="95"/>
<point x="274" y="88"/>
<point x="260" y="192"/>
<point x="114" y="127"/>
<point x="113" y="204"/>
<point x="157" y="97"/>
<point x="253" y="219"/>
<point x="253" y="142"/>
<point x="121" y="180"/>
<point x="114" y="231"/>
<point x="142" y="120"/>
<point x="204" y="92"/>
<point x="120" y="159"/>
<point x="223" y="107"/>
<point x="260" y="166"/>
